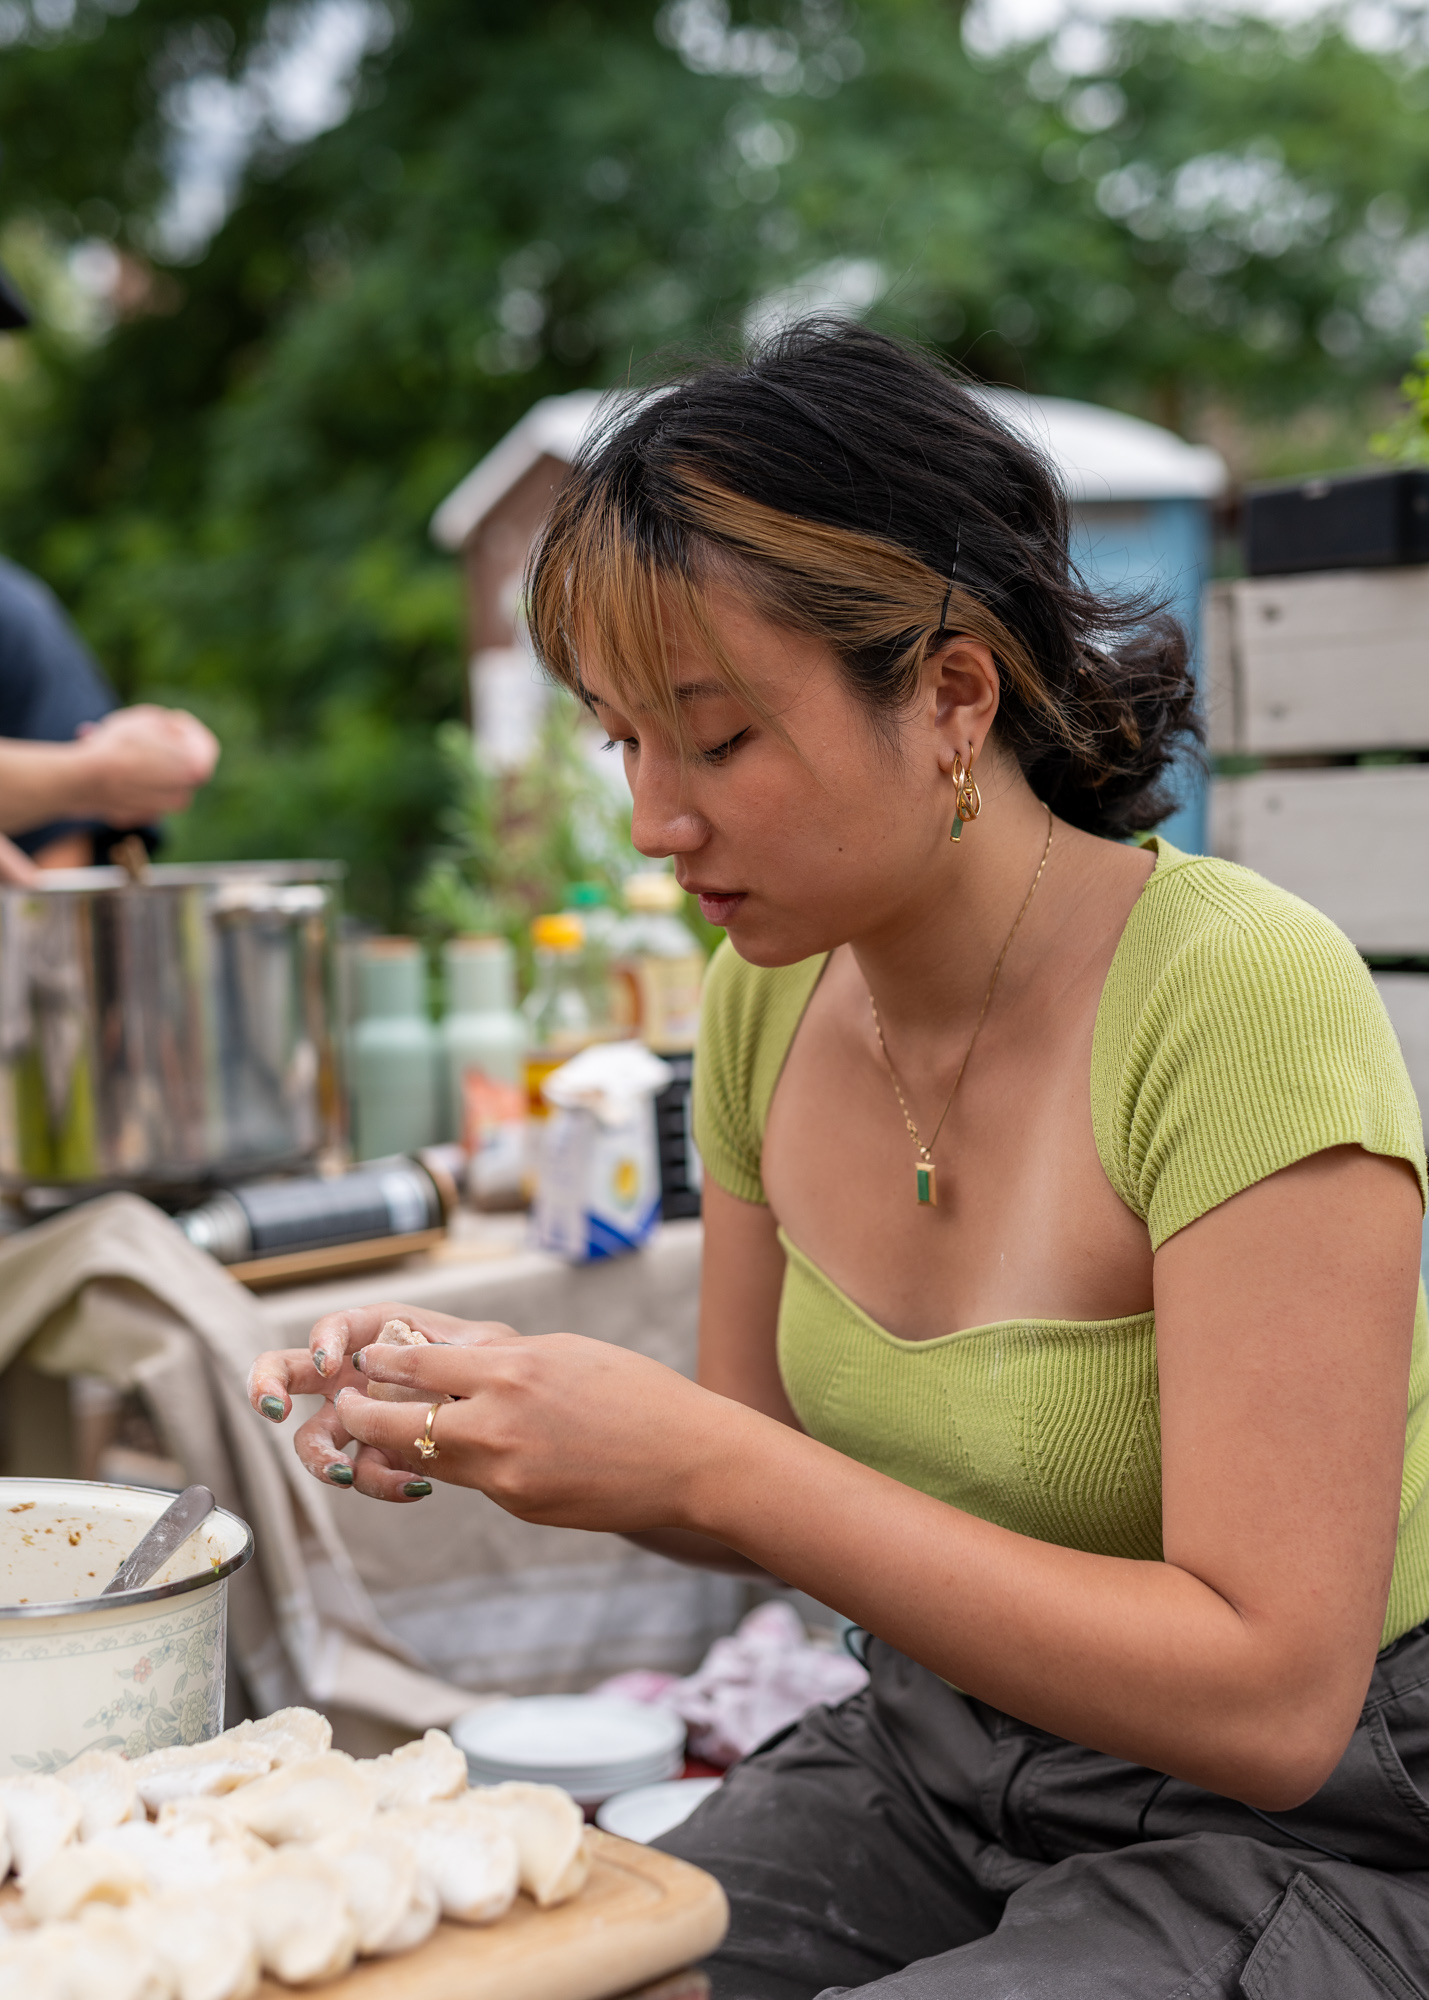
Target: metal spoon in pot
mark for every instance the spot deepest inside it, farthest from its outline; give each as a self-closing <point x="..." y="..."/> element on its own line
<point x="173" y="1527"/>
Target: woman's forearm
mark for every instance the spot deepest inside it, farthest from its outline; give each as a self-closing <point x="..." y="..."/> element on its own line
<point x="699" y="1551"/>
<point x="1139" y="1659"/>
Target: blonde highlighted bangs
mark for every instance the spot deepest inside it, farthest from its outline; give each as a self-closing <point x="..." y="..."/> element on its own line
<point x="640" y="602"/>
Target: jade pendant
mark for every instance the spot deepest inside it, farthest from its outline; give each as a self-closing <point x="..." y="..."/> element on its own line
<point x="927" y="1181"/>
<point x="957" y="832"/>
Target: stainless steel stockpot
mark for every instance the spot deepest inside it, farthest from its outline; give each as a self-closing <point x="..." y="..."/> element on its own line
<point x="169" y="1031"/>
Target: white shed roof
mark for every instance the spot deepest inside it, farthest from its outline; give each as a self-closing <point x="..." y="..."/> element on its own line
<point x="1100" y="454"/>
<point x="551" y="428"/>
<point x="1106" y="455"/>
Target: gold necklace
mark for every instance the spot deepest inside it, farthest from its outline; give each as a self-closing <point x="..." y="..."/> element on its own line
<point x="925" y="1173"/>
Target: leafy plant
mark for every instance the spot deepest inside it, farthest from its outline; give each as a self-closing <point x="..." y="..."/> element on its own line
<point x="515" y="842"/>
<point x="1407" y="440"/>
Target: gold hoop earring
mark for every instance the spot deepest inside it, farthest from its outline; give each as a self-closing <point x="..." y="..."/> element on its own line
<point x="968" y="799"/>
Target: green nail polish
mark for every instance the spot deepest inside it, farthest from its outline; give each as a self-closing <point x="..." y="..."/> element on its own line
<point x="417" y="1489"/>
<point x="320" y="1360"/>
<point x="341" y="1473"/>
<point x="272" y="1408"/>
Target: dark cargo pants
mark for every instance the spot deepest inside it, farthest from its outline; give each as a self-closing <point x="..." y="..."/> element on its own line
<point x="922" y="1846"/>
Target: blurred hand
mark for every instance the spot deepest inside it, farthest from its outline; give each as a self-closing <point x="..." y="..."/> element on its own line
<point x="142" y="762"/>
<point x="555" y="1428"/>
<point x="16" y="867"/>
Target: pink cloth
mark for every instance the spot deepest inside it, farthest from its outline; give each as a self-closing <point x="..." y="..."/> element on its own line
<point x="760" y="1679"/>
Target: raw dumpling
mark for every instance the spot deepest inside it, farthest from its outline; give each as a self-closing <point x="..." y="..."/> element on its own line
<point x="391" y="1904"/>
<point x="207" y="1949"/>
<point x="187" y="1849"/>
<point x="424" y="1913"/>
<point x="417" y="1773"/>
<point x="469" y="1858"/>
<point x="289" y="1735"/>
<point x="106" y="1788"/>
<point x="198" y="1770"/>
<point x="107" y="1957"/>
<point x="33" y="1964"/>
<point x="77" y="1875"/>
<point x="397" y="1333"/>
<point x="304" y="1801"/>
<point x="41" y="1817"/>
<point x="301" y="1920"/>
<point x="549" y="1830"/>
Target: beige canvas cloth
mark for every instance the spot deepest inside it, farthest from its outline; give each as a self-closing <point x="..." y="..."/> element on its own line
<point x="398" y="1614"/>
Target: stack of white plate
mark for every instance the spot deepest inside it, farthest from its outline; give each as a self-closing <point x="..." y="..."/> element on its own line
<point x="591" y="1745"/>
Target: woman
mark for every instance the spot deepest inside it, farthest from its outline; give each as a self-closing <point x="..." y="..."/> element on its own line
<point x="1061" y="1305"/>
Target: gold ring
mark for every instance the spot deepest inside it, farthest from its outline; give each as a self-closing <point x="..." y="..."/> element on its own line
<point x="424" y="1443"/>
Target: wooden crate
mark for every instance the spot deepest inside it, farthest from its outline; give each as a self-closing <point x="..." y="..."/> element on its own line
<point x="1330" y="663"/>
<point x="1317" y="666"/>
<point x="1352" y="841"/>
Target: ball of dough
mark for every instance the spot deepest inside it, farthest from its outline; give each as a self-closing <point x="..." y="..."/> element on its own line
<point x="397" y="1333"/>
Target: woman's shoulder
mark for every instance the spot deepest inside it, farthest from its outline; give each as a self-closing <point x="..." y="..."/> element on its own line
<point x="748" y="1016"/>
<point x="1239" y="1031"/>
<point x="1204" y="928"/>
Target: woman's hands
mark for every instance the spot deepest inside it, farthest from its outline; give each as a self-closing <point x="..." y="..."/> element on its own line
<point x="324" y="1368"/>
<point x="558" y="1429"/>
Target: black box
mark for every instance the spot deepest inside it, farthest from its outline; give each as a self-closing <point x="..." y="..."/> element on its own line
<point x="679" y="1168"/>
<point x="1354" y="520"/>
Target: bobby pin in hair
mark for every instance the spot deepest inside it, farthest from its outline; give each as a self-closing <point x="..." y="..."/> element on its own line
<point x="952" y="578"/>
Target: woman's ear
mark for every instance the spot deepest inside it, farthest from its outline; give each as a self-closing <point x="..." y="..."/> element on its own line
<point x="963" y="688"/>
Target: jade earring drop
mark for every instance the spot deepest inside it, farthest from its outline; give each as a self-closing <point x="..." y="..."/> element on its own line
<point x="968" y="799"/>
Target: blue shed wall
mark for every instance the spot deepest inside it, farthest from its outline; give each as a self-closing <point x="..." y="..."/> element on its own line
<point x="1163" y="546"/>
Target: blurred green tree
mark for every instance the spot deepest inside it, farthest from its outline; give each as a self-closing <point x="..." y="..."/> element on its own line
<point x="223" y="448"/>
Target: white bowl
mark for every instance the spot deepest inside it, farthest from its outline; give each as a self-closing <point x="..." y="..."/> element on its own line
<point x="650" y="1810"/>
<point x="132" y="1672"/>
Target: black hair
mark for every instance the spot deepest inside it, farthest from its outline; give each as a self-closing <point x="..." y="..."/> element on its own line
<point x="923" y="486"/>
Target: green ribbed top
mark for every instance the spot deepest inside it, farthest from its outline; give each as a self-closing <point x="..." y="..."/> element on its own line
<point x="1238" y="1032"/>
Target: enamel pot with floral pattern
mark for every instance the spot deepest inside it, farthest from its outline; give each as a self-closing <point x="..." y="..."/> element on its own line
<point x="131" y="1672"/>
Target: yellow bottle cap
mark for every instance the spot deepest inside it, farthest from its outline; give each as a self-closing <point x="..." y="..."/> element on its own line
<point x="561" y="932"/>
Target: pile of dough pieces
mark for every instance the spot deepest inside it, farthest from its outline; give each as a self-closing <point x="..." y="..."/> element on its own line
<point x="191" y="1872"/>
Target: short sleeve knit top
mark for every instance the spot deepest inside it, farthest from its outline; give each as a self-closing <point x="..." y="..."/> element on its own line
<point x="1238" y="1031"/>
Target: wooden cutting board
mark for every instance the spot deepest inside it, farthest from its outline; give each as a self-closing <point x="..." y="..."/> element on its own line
<point x="641" y="1914"/>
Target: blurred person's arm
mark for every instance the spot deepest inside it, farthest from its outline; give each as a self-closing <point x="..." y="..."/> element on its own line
<point x="72" y="764"/>
<point x="126" y="770"/>
<point x="66" y="850"/>
<point x="17" y="870"/>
